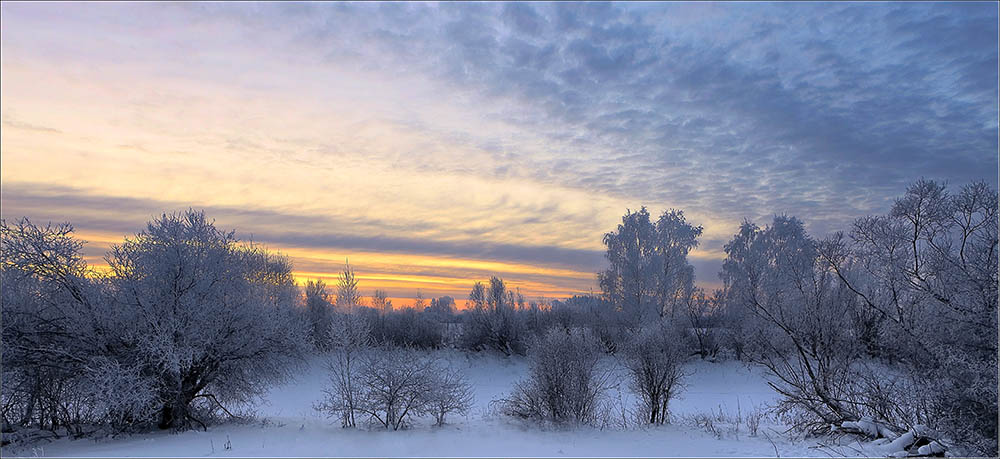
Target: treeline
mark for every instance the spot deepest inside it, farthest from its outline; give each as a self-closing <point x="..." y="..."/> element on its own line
<point x="886" y="330"/>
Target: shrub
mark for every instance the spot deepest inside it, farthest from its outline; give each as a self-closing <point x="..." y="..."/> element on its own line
<point x="566" y="383"/>
<point x="654" y="359"/>
<point x="391" y="386"/>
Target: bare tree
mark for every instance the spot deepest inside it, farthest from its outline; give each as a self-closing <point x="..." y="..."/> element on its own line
<point x="700" y="311"/>
<point x="350" y="337"/>
<point x="449" y="392"/>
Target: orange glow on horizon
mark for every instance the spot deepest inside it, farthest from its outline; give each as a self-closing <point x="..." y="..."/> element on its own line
<point x="394" y="272"/>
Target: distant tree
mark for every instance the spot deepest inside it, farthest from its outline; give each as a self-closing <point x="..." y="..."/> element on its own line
<point x="493" y="323"/>
<point x="348" y="295"/>
<point x="419" y="303"/>
<point x="442" y="307"/>
<point x="701" y="312"/>
<point x="381" y="302"/>
<point x="318" y="309"/>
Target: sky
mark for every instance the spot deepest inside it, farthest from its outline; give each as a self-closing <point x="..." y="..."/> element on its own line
<point x="434" y="145"/>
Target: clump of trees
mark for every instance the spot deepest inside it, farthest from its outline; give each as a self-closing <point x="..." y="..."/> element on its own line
<point x="892" y="324"/>
<point x="493" y="322"/>
<point x="188" y="318"/>
<point x="649" y="275"/>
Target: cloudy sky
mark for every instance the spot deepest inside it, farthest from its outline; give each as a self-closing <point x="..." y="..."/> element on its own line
<point x="437" y="144"/>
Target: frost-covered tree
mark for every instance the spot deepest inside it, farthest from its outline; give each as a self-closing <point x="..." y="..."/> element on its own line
<point x="186" y="312"/>
<point x="203" y="315"/>
<point x="675" y="238"/>
<point x="388" y="386"/>
<point x="774" y="274"/>
<point x="381" y="302"/>
<point x="350" y="338"/>
<point x="566" y="383"/>
<point x="492" y="322"/>
<point x="419" y="303"/>
<point x="449" y="392"/>
<point x="925" y="278"/>
<point x="55" y="329"/>
<point x="654" y="359"/>
<point x="649" y="275"/>
<point x="629" y="282"/>
<point x="348" y="295"/>
<point x="318" y="310"/>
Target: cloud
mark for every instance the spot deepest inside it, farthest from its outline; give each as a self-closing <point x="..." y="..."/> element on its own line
<point x="512" y="131"/>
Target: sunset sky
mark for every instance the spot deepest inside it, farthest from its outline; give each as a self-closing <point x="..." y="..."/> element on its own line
<point x="438" y="144"/>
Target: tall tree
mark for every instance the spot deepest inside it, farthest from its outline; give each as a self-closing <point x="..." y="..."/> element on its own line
<point x="348" y="295"/>
<point x="649" y="274"/>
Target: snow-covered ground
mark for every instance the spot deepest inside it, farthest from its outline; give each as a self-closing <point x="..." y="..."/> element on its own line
<point x="288" y="425"/>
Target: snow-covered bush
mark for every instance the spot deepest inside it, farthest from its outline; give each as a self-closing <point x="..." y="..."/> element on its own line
<point x="566" y="383"/>
<point x="390" y="385"/>
<point x="450" y="392"/>
<point x="52" y="316"/>
<point x="395" y="385"/>
<point x="350" y="338"/>
<point x="654" y="360"/>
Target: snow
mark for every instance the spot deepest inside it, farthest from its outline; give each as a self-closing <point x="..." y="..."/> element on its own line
<point x="289" y="427"/>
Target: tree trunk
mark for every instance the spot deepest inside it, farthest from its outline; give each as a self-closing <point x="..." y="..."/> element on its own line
<point x="174" y="413"/>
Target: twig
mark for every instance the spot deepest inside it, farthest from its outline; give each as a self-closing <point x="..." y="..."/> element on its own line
<point x="776" y="454"/>
<point x="211" y="396"/>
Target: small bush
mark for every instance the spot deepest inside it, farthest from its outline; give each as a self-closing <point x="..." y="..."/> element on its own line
<point x="654" y="360"/>
<point x="392" y="385"/>
<point x="566" y="383"/>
